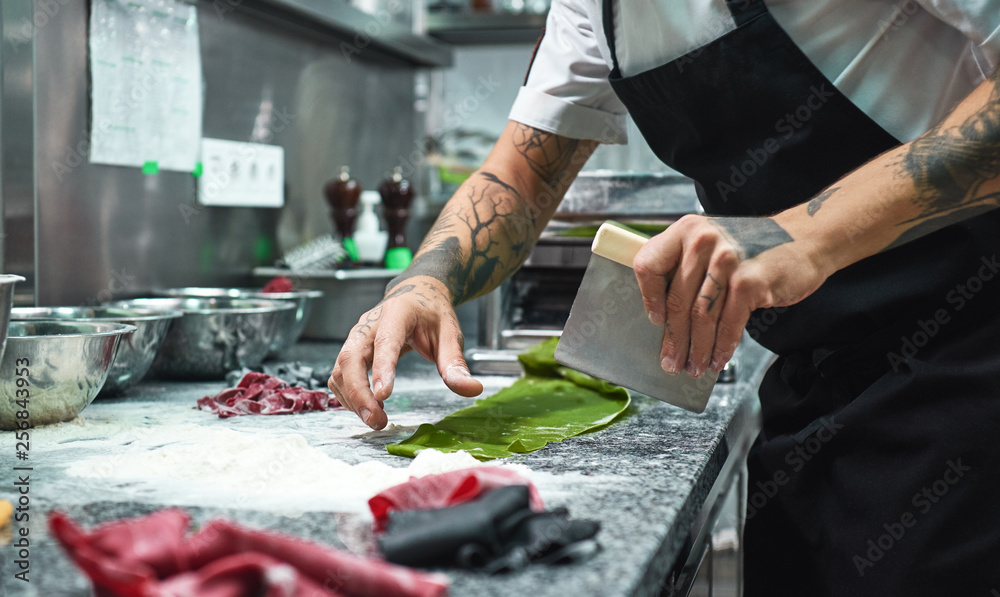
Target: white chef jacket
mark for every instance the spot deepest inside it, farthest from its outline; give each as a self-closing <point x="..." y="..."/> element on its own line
<point x="906" y="63"/>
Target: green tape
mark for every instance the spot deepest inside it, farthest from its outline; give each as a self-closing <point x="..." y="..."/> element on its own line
<point x="352" y="249"/>
<point x="151" y="167"/>
<point x="398" y="258"/>
<point x="199" y="169"/>
<point x="263" y="249"/>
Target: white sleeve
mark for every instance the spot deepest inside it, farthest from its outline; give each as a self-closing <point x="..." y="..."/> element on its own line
<point x="567" y="90"/>
<point x="979" y="20"/>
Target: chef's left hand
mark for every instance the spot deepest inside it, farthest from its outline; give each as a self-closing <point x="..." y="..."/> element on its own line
<point x="704" y="276"/>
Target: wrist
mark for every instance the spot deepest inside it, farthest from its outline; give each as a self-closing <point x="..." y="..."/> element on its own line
<point x="435" y="285"/>
<point x="822" y="250"/>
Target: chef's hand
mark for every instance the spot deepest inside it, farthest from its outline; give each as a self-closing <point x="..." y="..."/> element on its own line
<point x="703" y="276"/>
<point x="416" y="314"/>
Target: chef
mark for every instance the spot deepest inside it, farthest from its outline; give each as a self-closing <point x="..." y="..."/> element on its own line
<point x="847" y="154"/>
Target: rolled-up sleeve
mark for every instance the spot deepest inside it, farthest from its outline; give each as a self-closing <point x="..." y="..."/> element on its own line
<point x="567" y="90"/>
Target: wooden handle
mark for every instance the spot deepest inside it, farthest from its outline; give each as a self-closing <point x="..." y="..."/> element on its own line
<point x="616" y="243"/>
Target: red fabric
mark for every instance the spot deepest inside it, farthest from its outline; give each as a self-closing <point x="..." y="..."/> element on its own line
<point x="152" y="556"/>
<point x="241" y="575"/>
<point x="446" y="489"/>
<point x="263" y="394"/>
<point x="279" y="284"/>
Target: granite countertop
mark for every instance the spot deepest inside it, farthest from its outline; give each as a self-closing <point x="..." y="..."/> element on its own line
<point x="644" y="477"/>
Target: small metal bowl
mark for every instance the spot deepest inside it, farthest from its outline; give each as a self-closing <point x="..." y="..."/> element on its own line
<point x="52" y="370"/>
<point x="215" y="335"/>
<point x="135" y="352"/>
<point x="288" y="331"/>
<point x="7" y="282"/>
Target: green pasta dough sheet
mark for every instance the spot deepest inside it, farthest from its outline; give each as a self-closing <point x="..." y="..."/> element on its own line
<point x="548" y="404"/>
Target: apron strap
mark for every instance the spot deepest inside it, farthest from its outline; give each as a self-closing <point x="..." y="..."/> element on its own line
<point x="744" y="11"/>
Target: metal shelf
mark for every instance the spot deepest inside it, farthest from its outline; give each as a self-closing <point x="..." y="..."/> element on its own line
<point x="349" y="23"/>
<point x="485" y="28"/>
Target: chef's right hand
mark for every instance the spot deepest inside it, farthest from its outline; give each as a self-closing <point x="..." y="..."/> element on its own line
<point x="416" y="314"/>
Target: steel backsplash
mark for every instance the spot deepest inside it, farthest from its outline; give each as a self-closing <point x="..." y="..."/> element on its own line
<point x="104" y="231"/>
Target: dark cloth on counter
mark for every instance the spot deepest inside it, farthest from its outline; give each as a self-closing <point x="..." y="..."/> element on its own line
<point x="498" y="532"/>
<point x="293" y="373"/>
<point x="446" y="489"/>
<point x="263" y="394"/>
<point x="153" y="556"/>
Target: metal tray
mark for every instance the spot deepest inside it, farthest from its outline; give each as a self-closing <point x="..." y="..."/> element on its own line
<point x="603" y="194"/>
<point x="347" y="295"/>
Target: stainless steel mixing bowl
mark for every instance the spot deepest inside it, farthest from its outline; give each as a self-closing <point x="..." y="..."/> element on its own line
<point x="288" y="330"/>
<point x="135" y="352"/>
<point x="215" y="335"/>
<point x="7" y="282"/>
<point x="52" y="370"/>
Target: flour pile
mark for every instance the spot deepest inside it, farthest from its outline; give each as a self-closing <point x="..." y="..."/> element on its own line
<point x="253" y="465"/>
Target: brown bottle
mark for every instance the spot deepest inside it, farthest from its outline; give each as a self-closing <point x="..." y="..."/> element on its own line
<point x="397" y="194"/>
<point x="342" y="194"/>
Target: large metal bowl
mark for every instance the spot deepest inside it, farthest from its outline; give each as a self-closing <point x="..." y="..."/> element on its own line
<point x="52" y="370"/>
<point x="288" y="331"/>
<point x="135" y="352"/>
<point x="7" y="282"/>
<point x="214" y="336"/>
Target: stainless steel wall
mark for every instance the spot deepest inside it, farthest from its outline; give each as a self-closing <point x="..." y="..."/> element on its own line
<point x="106" y="231"/>
<point x="17" y="157"/>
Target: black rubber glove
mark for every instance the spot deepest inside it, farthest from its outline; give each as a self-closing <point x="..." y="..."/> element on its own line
<point x="496" y="533"/>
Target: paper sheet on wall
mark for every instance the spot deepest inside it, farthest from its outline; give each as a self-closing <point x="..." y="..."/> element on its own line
<point x="145" y="65"/>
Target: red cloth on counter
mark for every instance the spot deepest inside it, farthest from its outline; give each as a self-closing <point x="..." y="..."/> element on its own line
<point x="279" y="284"/>
<point x="446" y="489"/>
<point x="263" y="394"/>
<point x="152" y="556"/>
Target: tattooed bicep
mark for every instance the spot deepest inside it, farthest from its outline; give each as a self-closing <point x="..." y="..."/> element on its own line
<point x="549" y="156"/>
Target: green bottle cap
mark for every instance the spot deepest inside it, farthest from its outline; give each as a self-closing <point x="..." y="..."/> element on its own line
<point x="398" y="258"/>
<point x="352" y="249"/>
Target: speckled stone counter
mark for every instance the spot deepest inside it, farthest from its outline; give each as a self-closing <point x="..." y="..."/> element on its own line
<point x="644" y="477"/>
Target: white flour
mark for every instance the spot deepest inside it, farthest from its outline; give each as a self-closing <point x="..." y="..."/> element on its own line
<point x="251" y="467"/>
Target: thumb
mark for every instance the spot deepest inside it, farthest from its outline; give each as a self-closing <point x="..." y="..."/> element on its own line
<point x="453" y="368"/>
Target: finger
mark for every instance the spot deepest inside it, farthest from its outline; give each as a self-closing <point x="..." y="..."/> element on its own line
<point x="705" y="315"/>
<point x="684" y="289"/>
<point x="351" y="378"/>
<point x="451" y="363"/>
<point x="654" y="265"/>
<point x="735" y="314"/>
<point x="337" y="377"/>
<point x="389" y="339"/>
<point x="708" y="308"/>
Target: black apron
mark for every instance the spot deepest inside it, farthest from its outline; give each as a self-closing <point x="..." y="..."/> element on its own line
<point x="877" y="471"/>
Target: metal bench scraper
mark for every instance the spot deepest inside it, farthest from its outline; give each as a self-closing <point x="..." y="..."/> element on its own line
<point x="608" y="334"/>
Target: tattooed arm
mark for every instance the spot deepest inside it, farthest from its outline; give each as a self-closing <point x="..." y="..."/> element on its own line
<point x="704" y="276"/>
<point x="484" y="233"/>
<point x="949" y="174"/>
<point x="488" y="228"/>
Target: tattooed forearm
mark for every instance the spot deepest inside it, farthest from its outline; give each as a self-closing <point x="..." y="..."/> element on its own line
<point x="949" y="166"/>
<point x="487" y="230"/>
<point x="817" y="202"/>
<point x="751" y="236"/>
<point x="489" y="176"/>
<point x="497" y="229"/>
<point x="548" y="155"/>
